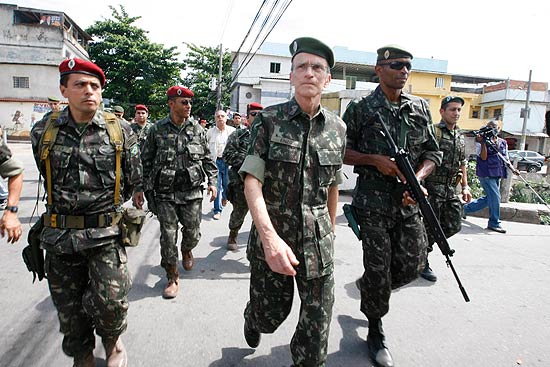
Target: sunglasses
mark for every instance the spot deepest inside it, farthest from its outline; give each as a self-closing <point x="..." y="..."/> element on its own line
<point x="398" y="65"/>
<point x="253" y="113"/>
<point x="186" y="102"/>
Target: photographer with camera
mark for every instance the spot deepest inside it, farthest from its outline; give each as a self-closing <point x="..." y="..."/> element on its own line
<point x="490" y="168"/>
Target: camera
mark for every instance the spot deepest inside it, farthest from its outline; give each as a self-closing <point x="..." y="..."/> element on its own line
<point x="486" y="132"/>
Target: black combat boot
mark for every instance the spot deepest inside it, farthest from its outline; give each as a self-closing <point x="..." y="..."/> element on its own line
<point x="251" y="335"/>
<point x="428" y="273"/>
<point x="378" y="352"/>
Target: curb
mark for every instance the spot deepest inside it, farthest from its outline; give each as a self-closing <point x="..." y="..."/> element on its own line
<point x="517" y="212"/>
<point x="511" y="211"/>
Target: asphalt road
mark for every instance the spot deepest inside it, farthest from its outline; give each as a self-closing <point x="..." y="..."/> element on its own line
<point x="429" y="324"/>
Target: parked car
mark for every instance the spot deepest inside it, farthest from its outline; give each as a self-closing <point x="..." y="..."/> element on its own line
<point x="528" y="160"/>
<point x="528" y="154"/>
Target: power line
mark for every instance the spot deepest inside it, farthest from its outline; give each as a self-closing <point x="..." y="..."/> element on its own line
<point x="249" y="30"/>
<point x="262" y="26"/>
<point x="228" y="12"/>
<point x="282" y="10"/>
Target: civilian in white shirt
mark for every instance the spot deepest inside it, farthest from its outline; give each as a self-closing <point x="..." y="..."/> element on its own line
<point x="217" y="139"/>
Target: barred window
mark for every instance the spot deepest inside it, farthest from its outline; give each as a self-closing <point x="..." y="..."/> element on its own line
<point x="21" y="82"/>
<point x="439" y="82"/>
<point x="275" y="67"/>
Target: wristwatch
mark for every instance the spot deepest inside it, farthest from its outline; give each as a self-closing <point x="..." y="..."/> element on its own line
<point x="12" y="209"/>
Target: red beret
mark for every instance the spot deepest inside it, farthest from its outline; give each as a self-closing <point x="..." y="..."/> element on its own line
<point x="142" y="107"/>
<point x="79" y="66"/>
<point x="177" y="91"/>
<point x="255" y="106"/>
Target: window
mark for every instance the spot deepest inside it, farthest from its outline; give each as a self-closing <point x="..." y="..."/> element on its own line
<point x="485" y="114"/>
<point x="21" y="82"/>
<point x="275" y="68"/>
<point x="475" y="114"/>
<point x="439" y="82"/>
<point x="497" y="113"/>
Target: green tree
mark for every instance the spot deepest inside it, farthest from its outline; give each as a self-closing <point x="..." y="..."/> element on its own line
<point x="203" y="65"/>
<point x="137" y="70"/>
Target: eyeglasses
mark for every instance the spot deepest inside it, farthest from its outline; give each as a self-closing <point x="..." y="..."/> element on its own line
<point x="186" y="102"/>
<point x="316" y="68"/>
<point x="253" y="114"/>
<point x="398" y="65"/>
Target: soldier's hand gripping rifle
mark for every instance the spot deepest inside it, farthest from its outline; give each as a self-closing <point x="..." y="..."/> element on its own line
<point x="430" y="219"/>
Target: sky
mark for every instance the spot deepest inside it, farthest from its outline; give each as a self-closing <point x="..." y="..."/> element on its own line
<point x="486" y="38"/>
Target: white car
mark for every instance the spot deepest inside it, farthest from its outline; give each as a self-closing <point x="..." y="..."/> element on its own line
<point x="528" y="160"/>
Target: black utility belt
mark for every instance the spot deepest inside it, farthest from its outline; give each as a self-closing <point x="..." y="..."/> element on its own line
<point x="80" y="221"/>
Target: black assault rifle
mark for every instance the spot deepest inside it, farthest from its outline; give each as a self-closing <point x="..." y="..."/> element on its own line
<point x="402" y="160"/>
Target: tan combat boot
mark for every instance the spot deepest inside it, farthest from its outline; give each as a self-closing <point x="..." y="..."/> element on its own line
<point x="232" y="241"/>
<point x="188" y="260"/>
<point x="171" y="290"/>
<point x="115" y="352"/>
<point x="87" y="360"/>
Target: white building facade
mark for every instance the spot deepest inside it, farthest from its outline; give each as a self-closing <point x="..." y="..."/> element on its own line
<point x="32" y="44"/>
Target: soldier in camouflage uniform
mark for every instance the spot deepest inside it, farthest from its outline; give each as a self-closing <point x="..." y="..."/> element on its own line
<point x="234" y="155"/>
<point x="291" y="175"/>
<point x="441" y="184"/>
<point x="176" y="160"/>
<point x="86" y="263"/>
<point x="13" y="169"/>
<point x="141" y="126"/>
<point x="393" y="235"/>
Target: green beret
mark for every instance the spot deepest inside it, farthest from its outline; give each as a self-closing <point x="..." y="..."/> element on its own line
<point x="53" y="99"/>
<point x="312" y="46"/>
<point x="118" y="109"/>
<point x="445" y="101"/>
<point x="392" y="52"/>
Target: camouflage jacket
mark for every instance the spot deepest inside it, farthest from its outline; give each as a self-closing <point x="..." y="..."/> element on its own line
<point x="83" y="178"/>
<point x="141" y="132"/>
<point x="411" y="127"/>
<point x="235" y="153"/>
<point x="5" y="152"/>
<point x="443" y="180"/>
<point x="176" y="161"/>
<point x="9" y="166"/>
<point x="297" y="159"/>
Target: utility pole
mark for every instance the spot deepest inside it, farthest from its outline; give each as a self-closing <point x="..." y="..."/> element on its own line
<point x="526" y="112"/>
<point x="219" y="97"/>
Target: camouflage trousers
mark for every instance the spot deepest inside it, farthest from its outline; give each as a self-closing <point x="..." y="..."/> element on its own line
<point x="394" y="253"/>
<point x="449" y="212"/>
<point x="169" y="215"/>
<point x="90" y="291"/>
<point x="270" y="303"/>
<point x="240" y="209"/>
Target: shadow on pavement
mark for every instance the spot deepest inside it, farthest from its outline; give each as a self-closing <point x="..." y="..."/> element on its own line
<point x="353" y="347"/>
<point x="352" y="291"/>
<point x="235" y="357"/>
<point x="31" y="345"/>
<point x="351" y="352"/>
<point x="216" y="266"/>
